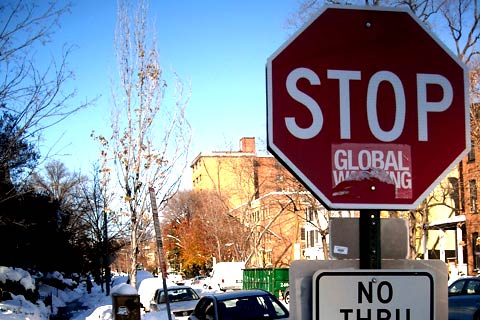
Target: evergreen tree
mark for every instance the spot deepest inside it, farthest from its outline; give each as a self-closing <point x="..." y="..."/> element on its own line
<point x="16" y="154"/>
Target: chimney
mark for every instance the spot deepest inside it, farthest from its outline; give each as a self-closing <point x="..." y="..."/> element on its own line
<point x="247" y="145"/>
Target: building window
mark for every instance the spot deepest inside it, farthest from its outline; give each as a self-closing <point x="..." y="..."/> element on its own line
<point x="266" y="213"/>
<point x="268" y="257"/>
<point x="310" y="214"/>
<point x="454" y="194"/>
<point x="473" y="196"/>
<point x="311" y="238"/>
<point x="471" y="154"/>
<point x="476" y="250"/>
<point x="256" y="216"/>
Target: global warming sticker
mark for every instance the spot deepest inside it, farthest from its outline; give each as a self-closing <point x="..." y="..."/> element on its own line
<point x="384" y="168"/>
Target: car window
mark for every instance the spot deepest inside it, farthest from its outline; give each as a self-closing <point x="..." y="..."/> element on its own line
<point x="201" y="308"/>
<point x="456" y="287"/>
<point x="210" y="312"/>
<point x="176" y="295"/>
<point x="259" y="307"/>
<point x="472" y="287"/>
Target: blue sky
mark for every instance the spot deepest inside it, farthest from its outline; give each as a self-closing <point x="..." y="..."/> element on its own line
<point x="220" y="46"/>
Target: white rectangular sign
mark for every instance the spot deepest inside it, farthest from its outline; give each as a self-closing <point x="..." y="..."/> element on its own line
<point x="373" y="294"/>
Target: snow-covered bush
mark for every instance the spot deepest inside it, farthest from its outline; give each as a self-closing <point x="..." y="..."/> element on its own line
<point x="57" y="280"/>
<point x="16" y="281"/>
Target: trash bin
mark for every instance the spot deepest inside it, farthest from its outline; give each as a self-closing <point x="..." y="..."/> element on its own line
<point x="125" y="303"/>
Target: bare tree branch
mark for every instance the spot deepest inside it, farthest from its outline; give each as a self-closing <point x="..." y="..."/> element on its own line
<point x="150" y="138"/>
<point x="32" y="93"/>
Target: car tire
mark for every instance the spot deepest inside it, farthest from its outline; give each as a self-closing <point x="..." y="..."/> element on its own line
<point x="286" y="298"/>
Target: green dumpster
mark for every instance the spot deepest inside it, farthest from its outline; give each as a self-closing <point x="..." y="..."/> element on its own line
<point x="273" y="280"/>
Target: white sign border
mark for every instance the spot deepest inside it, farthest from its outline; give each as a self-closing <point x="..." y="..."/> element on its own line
<point x="304" y="179"/>
<point x="371" y="272"/>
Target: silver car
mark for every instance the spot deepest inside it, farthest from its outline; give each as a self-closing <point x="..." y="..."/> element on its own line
<point x="183" y="300"/>
<point x="464" y="299"/>
<point x="239" y="305"/>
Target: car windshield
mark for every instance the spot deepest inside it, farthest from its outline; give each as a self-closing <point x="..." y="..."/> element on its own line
<point x="255" y="307"/>
<point x="178" y="294"/>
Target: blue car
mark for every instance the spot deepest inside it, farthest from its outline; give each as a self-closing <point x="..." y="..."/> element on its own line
<point x="240" y="305"/>
<point x="464" y="299"/>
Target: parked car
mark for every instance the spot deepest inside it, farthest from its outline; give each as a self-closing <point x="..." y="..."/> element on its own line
<point x="199" y="281"/>
<point x="147" y="290"/>
<point x="141" y="275"/>
<point x="464" y="299"/>
<point x="176" y="278"/>
<point x="239" y="305"/>
<point x="183" y="300"/>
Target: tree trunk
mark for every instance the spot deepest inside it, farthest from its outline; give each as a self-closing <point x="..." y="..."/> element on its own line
<point x="6" y="186"/>
<point x="134" y="253"/>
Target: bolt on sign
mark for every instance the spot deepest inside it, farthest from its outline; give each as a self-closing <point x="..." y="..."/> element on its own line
<point x="367" y="108"/>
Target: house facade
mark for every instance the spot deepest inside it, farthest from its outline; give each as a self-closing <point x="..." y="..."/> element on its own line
<point x="285" y="222"/>
<point x="469" y="170"/>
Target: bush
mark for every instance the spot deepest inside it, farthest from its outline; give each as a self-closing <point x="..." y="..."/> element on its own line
<point x="17" y="281"/>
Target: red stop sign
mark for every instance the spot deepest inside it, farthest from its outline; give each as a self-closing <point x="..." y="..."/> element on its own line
<point x="367" y="108"/>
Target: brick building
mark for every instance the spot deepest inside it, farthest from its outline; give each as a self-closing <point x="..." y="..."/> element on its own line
<point x="285" y="221"/>
<point x="241" y="176"/>
<point x="469" y="170"/>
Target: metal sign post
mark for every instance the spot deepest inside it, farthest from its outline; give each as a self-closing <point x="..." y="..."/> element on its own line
<point x="370" y="250"/>
<point x="158" y="236"/>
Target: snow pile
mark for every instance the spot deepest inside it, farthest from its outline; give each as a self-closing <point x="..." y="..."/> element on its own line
<point x="57" y="276"/>
<point x="124" y="289"/>
<point x="100" y="313"/>
<point x="20" y="308"/>
<point x="17" y="275"/>
<point x="15" y="306"/>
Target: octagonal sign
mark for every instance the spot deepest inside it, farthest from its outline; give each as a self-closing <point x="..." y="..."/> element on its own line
<point x="367" y="108"/>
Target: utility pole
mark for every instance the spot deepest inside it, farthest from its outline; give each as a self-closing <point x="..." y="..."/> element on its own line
<point x="161" y="257"/>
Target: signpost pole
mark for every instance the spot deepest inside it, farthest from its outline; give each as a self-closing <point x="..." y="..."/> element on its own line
<point x="366" y="163"/>
<point x="370" y="253"/>
<point x="161" y="256"/>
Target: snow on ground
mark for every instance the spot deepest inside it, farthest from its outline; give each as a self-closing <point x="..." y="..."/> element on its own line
<point x="100" y="306"/>
<point x="94" y="306"/>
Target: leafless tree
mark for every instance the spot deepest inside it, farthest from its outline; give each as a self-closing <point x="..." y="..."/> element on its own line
<point x="82" y="213"/>
<point x="58" y="183"/>
<point x="151" y="136"/>
<point x="63" y="186"/>
<point x="424" y="10"/>
<point x="456" y="21"/>
<point x="197" y="228"/>
<point x="33" y="94"/>
<point x="80" y="199"/>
